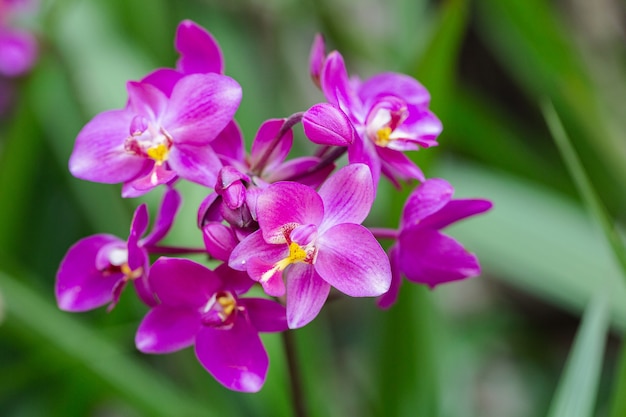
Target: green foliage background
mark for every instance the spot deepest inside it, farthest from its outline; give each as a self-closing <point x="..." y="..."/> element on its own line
<point x="506" y="77"/>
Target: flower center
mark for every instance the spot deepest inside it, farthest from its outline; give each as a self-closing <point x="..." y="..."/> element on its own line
<point x="220" y="310"/>
<point x="148" y="141"/>
<point x="118" y="263"/>
<point x="383" y="136"/>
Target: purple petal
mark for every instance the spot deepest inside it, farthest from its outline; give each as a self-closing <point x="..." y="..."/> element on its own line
<point x="316" y="58"/>
<point x="235" y="357"/>
<point x="219" y="240"/>
<point x="400" y="85"/>
<point x="146" y="100"/>
<point x="350" y="259"/>
<point x="80" y="285"/>
<point x="201" y="106"/>
<point x="229" y="144"/>
<point x="209" y="210"/>
<point x="158" y="175"/>
<point x="336" y="86"/>
<point x="165" y="329"/>
<point x="299" y="168"/>
<point x="235" y="281"/>
<point x="165" y="217"/>
<point x="183" y="283"/>
<point x="306" y="294"/>
<point x="363" y="151"/>
<point x="255" y="246"/>
<point x="198" y="164"/>
<point x="348" y="196"/>
<point x="432" y="258"/>
<point x="389" y="298"/>
<point x="454" y="211"/>
<point x="422" y="127"/>
<point x="265" y="315"/>
<point x="430" y="197"/>
<point x="325" y="124"/>
<point x="397" y="166"/>
<point x="18" y="52"/>
<point x="164" y="79"/>
<point x="284" y="205"/>
<point x="199" y="51"/>
<point x="264" y="145"/>
<point x="99" y="153"/>
<point x="268" y="275"/>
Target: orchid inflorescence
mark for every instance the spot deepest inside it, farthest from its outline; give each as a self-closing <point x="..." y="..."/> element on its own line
<point x="293" y="226"/>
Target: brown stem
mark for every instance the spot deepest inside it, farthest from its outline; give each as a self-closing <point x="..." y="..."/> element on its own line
<point x="297" y="394"/>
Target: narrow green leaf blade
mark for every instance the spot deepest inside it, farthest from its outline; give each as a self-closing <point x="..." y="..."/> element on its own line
<point x="576" y="393"/>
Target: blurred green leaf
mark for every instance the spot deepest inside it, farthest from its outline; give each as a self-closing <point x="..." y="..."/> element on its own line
<point x="536" y="240"/>
<point x="136" y="383"/>
<point x="533" y="45"/>
<point x="585" y="187"/>
<point x="576" y="394"/>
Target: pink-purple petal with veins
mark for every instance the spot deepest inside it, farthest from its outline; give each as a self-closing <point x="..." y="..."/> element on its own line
<point x="428" y="198"/>
<point x="317" y="56"/>
<point x="167" y="329"/>
<point x="454" y="211"/>
<point x="325" y="124"/>
<point x="264" y="144"/>
<point x="441" y="258"/>
<point x="219" y="240"/>
<point x="99" y="153"/>
<point x="255" y="245"/>
<point x="146" y="100"/>
<point x="235" y="281"/>
<point x="389" y="298"/>
<point x="400" y="85"/>
<point x="363" y="151"/>
<point x="165" y="217"/>
<point x="267" y="274"/>
<point x="199" y="51"/>
<point x="286" y="204"/>
<point x="164" y="79"/>
<point x="265" y="315"/>
<point x="336" y="86"/>
<point x="181" y="282"/>
<point x="200" y="107"/>
<point x="158" y="175"/>
<point x="306" y="294"/>
<point x="80" y="285"/>
<point x="397" y="166"/>
<point x="350" y="259"/>
<point x="235" y="357"/>
<point x="229" y="145"/>
<point x="199" y="164"/>
<point x="348" y="196"/>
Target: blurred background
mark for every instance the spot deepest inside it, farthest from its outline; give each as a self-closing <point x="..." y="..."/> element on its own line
<point x="495" y="345"/>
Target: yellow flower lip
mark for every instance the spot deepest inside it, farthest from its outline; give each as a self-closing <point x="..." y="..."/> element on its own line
<point x="159" y="153"/>
<point x="383" y="136"/>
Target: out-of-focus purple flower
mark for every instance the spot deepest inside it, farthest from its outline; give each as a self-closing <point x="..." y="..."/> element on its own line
<point x="157" y="138"/>
<point x="97" y="268"/>
<point x="202" y="307"/>
<point x="315" y="240"/>
<point x="422" y="253"/>
<point x="18" y="52"/>
<point x="389" y="112"/>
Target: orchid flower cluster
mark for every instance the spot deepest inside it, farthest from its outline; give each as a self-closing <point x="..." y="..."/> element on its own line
<point x="290" y="226"/>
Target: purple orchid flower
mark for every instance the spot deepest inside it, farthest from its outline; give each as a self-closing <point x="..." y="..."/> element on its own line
<point x="97" y="268"/>
<point x="18" y="47"/>
<point x="422" y="253"/>
<point x="201" y="307"/>
<point x="389" y="112"/>
<point x="314" y="240"/>
<point x="157" y="138"/>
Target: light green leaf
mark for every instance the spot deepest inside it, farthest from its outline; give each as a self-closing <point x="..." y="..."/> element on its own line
<point x="576" y="392"/>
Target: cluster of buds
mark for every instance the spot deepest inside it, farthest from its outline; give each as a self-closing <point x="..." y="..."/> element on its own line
<point x="292" y="226"/>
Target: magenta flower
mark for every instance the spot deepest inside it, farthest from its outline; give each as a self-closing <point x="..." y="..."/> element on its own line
<point x="18" y="47"/>
<point x="97" y="268"/>
<point x="157" y="138"/>
<point x="202" y="307"/>
<point x="422" y="253"/>
<point x="389" y="112"/>
<point x="314" y="240"/>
